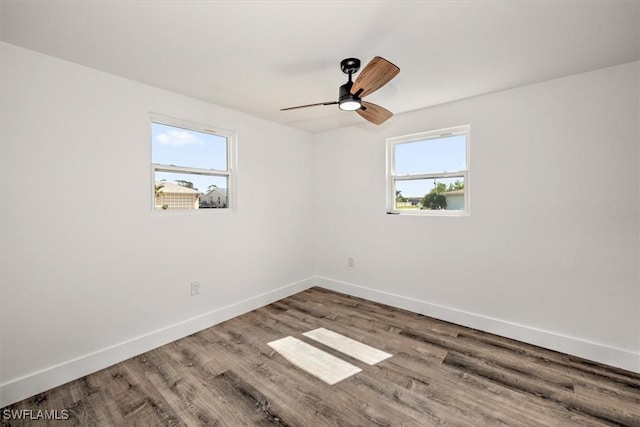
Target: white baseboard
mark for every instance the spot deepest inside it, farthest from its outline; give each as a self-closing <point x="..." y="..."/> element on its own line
<point x="597" y="352"/>
<point x="20" y="388"/>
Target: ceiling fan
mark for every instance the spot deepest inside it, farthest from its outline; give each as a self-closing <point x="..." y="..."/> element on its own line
<point x="377" y="73"/>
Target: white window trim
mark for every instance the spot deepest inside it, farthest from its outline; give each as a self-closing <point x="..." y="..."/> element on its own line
<point x="230" y="173"/>
<point x="392" y="177"/>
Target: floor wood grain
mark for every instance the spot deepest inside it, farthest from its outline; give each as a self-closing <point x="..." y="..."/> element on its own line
<point x="439" y="374"/>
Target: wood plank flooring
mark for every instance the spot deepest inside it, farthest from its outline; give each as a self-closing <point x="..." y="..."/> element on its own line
<point x="439" y="374"/>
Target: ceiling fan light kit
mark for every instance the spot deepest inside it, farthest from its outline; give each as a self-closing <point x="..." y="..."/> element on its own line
<point x="375" y="74"/>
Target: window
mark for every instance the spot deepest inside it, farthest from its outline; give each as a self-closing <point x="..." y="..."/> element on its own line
<point x="428" y="173"/>
<point x="191" y="164"/>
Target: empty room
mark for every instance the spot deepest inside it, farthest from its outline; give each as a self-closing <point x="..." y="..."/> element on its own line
<point x="320" y="213"/>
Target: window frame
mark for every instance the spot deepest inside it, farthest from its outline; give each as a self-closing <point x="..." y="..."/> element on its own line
<point x="392" y="177"/>
<point x="229" y="174"/>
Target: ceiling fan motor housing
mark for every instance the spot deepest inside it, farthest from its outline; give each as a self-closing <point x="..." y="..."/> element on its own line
<point x="345" y="92"/>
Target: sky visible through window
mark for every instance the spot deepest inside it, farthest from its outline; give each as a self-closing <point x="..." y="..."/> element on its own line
<point x="437" y="155"/>
<point x="187" y="148"/>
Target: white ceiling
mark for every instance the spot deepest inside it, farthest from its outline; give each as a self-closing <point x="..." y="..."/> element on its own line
<point x="260" y="56"/>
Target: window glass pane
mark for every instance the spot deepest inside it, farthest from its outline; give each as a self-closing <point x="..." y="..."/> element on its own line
<point x="183" y="147"/>
<point x="189" y="191"/>
<point x="447" y="154"/>
<point x="431" y="194"/>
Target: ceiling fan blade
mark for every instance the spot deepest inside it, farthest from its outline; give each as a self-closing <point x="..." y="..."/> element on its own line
<point x="376" y="74"/>
<point x="374" y="113"/>
<point x="309" y="105"/>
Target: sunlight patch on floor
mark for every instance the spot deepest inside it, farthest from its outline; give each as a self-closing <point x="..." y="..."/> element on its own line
<point x="348" y="346"/>
<point x="319" y="363"/>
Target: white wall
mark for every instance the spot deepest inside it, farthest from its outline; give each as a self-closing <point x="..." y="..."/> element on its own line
<point x="550" y="251"/>
<point x="89" y="275"/>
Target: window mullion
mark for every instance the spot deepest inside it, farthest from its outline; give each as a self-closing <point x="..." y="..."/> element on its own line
<point x="186" y="169"/>
<point x="410" y="177"/>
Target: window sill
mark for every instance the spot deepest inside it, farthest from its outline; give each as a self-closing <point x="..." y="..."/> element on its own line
<point x="420" y="212"/>
<point x="189" y="212"/>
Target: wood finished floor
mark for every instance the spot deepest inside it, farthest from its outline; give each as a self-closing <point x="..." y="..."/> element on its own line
<point x="439" y="374"/>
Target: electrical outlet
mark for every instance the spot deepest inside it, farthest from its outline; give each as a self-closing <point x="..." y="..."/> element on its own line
<point x="195" y="288"/>
<point x="351" y="262"/>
